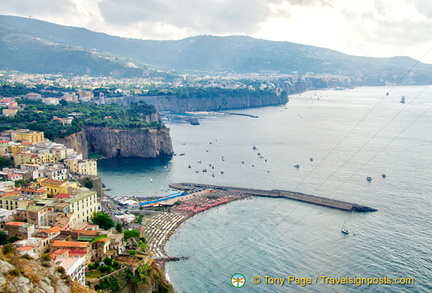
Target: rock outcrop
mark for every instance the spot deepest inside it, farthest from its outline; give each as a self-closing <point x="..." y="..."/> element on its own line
<point x="22" y="275"/>
<point x="117" y="143"/>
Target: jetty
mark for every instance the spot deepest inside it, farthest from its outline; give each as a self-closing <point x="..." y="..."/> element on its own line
<point x="312" y="199"/>
<point x="240" y="114"/>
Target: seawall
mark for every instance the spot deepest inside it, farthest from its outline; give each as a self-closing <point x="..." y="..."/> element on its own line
<point x="312" y="199"/>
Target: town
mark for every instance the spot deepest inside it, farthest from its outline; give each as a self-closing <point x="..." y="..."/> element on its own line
<point x="47" y="208"/>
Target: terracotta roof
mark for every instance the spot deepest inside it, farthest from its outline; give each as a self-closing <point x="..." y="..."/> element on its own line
<point x="53" y="182"/>
<point x="54" y="229"/>
<point x="86" y="232"/>
<point x="62" y="195"/>
<point x="25" y="248"/>
<point x="75" y="244"/>
<point x="14" y="223"/>
<point x="105" y="239"/>
<point x="60" y="251"/>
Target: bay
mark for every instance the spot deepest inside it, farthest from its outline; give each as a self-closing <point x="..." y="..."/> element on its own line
<point x="350" y="135"/>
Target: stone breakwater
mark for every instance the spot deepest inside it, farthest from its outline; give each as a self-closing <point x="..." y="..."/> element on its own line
<point x="312" y="199"/>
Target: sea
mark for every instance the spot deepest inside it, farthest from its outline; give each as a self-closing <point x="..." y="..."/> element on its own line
<point x="338" y="138"/>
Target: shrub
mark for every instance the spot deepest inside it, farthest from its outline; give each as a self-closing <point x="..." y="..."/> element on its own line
<point x="93" y="266"/>
<point x="46" y="257"/>
<point x="105" y="269"/>
<point x="132" y="252"/>
<point x="8" y="249"/>
<point x="14" y="272"/>
<point x="108" y="261"/>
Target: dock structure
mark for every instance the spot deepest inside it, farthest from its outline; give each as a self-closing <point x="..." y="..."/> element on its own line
<point x="317" y="200"/>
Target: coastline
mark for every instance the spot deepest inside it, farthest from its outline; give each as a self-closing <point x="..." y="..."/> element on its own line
<point x="159" y="228"/>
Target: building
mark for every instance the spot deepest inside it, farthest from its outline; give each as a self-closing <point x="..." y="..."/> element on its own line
<point x="20" y="230"/>
<point x="47" y="236"/>
<point x="55" y="187"/>
<point x="81" y="167"/>
<point x="27" y="135"/>
<point x="74" y="267"/>
<point x="33" y="96"/>
<point x="10" y="112"/>
<point x="74" y="247"/>
<point x="83" y="205"/>
<point x="31" y="246"/>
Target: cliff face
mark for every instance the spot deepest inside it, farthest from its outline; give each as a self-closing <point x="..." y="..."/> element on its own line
<point x="219" y="102"/>
<point x="78" y="142"/>
<point x="116" y="143"/>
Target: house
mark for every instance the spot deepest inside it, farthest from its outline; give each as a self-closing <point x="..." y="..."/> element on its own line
<point x="74" y="267"/>
<point x="27" y="135"/>
<point x="81" y="167"/>
<point x="10" y="112"/>
<point x="55" y="187"/>
<point x="31" y="246"/>
<point x="20" y="230"/>
<point x="75" y="248"/>
<point x="100" y="247"/>
<point x="46" y="236"/>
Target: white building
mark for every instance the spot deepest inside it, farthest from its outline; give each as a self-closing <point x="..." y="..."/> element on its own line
<point x="74" y="267"/>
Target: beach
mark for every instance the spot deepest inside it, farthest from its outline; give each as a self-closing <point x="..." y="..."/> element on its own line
<point x="161" y="226"/>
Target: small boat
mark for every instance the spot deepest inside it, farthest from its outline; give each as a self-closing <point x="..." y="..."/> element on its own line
<point x="189" y="166"/>
<point x="344" y="230"/>
<point x="181" y="154"/>
<point x="222" y="172"/>
<point x="402" y="100"/>
<point x="384" y="176"/>
<point x="311" y="159"/>
<point x="369" y="179"/>
<point x="297" y="166"/>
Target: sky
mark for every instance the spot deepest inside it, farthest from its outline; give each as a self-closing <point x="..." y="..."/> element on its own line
<point x="375" y="28"/>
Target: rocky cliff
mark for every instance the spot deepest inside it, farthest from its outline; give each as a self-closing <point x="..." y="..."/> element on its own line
<point x="25" y="275"/>
<point x="218" y="102"/>
<point x="117" y="143"/>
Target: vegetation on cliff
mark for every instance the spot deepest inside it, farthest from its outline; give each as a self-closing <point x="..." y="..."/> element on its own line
<point x="24" y="274"/>
<point x="148" y="277"/>
<point x="41" y="117"/>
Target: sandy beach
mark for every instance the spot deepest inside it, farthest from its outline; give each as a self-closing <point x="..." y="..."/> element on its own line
<point x="159" y="228"/>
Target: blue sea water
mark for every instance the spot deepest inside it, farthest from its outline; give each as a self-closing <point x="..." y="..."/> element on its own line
<point x="350" y="135"/>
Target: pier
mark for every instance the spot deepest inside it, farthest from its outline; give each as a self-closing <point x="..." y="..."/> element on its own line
<point x="312" y="199"/>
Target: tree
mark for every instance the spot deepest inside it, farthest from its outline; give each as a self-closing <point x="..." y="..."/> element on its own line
<point x="119" y="227"/>
<point x="3" y="238"/>
<point x="63" y="102"/>
<point x="102" y="220"/>
<point x="88" y="183"/>
<point x="131" y="233"/>
<point x="108" y="261"/>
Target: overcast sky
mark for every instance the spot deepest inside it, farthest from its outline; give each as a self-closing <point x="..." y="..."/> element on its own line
<point x="378" y="28"/>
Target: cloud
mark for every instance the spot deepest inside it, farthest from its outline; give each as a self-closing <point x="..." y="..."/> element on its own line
<point x="211" y="16"/>
<point x="38" y="8"/>
<point x="423" y="6"/>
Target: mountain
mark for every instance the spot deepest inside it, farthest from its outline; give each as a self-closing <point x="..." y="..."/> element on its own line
<point x="236" y="54"/>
